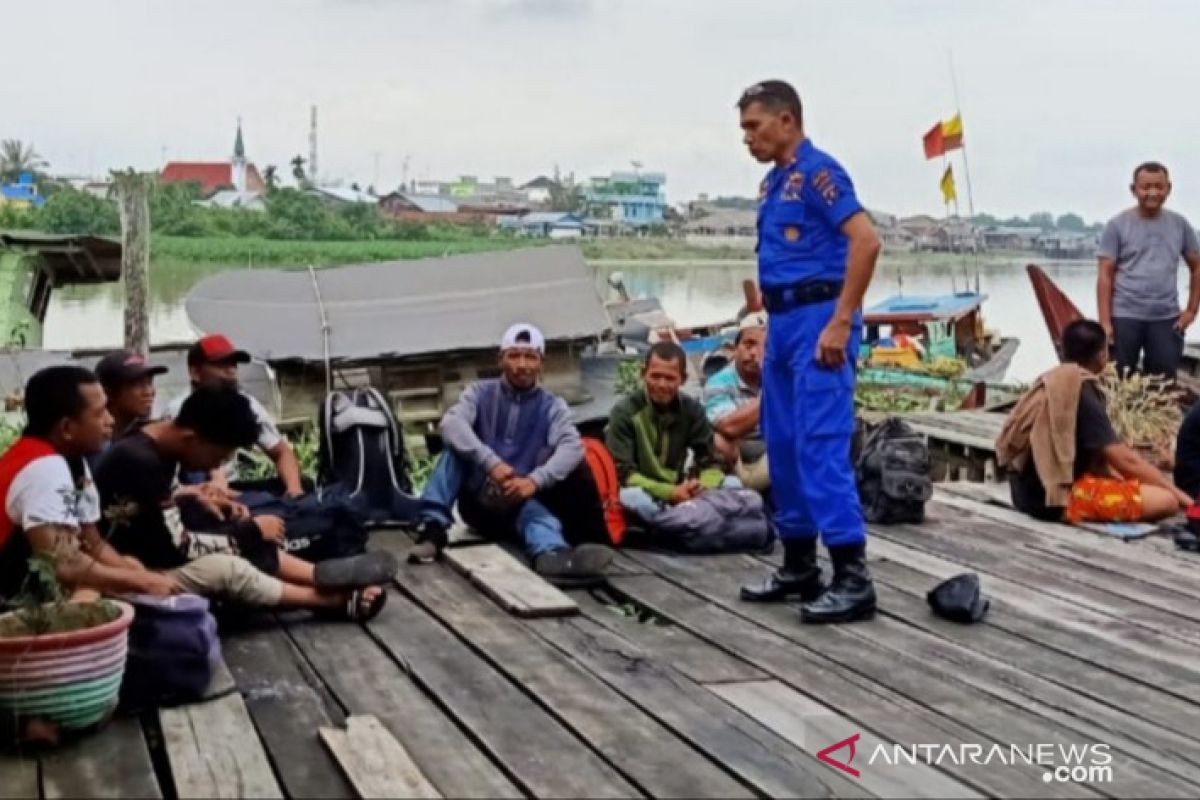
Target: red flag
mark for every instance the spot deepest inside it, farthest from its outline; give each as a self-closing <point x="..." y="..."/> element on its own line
<point x="934" y="144"/>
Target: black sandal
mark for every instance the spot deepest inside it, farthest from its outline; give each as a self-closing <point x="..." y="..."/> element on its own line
<point x="354" y="606"/>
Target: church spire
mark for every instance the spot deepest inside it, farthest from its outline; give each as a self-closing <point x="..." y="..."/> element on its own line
<point x="239" y="148"/>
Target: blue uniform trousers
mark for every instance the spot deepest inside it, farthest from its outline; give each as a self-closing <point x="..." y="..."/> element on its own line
<point x="808" y="423"/>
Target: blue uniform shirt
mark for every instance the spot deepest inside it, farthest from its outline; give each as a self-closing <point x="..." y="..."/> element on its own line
<point x="801" y="208"/>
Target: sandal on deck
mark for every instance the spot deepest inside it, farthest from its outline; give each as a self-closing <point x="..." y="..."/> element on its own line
<point x="355" y="610"/>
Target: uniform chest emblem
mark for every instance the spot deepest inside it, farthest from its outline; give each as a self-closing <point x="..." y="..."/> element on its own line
<point x="793" y="187"/>
<point x="791" y="233"/>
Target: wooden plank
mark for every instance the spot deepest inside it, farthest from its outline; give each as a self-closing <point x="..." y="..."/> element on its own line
<point x="645" y="751"/>
<point x="287" y="702"/>
<point x="914" y="675"/>
<point x="898" y="716"/>
<point x="214" y="751"/>
<point x="813" y="727"/>
<point x="366" y="680"/>
<point x="1076" y="696"/>
<point x="20" y="781"/>
<point x="1160" y="613"/>
<point x="1065" y="625"/>
<point x="991" y="546"/>
<point x="541" y="754"/>
<point x="748" y="750"/>
<point x="377" y="765"/>
<point x="672" y="645"/>
<point x="113" y="762"/>
<point x="509" y="582"/>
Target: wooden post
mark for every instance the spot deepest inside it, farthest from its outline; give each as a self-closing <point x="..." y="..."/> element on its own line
<point x="133" y="197"/>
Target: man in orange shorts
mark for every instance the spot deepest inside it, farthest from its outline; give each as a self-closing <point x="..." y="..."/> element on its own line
<point x="1065" y="459"/>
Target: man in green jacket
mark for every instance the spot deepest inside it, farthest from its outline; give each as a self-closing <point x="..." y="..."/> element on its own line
<point x="651" y="432"/>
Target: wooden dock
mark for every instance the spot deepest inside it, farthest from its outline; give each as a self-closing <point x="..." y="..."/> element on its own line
<point x="665" y="685"/>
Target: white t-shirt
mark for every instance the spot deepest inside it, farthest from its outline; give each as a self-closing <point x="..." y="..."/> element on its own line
<point x="268" y="434"/>
<point x="44" y="493"/>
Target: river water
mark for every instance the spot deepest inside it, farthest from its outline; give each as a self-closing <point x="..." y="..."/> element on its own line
<point x="693" y="293"/>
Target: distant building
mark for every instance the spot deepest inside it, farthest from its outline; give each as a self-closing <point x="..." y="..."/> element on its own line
<point x="633" y="199"/>
<point x="398" y="203"/>
<point x="1068" y="244"/>
<point x="232" y="198"/>
<point x="545" y="224"/>
<point x="237" y="174"/>
<point x="469" y="190"/>
<point x="1011" y="237"/>
<point x="22" y="194"/>
<point x="342" y="195"/>
<point x="539" y="191"/>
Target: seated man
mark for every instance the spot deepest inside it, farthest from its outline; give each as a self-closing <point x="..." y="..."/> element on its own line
<point x="241" y="561"/>
<point x="651" y="432"/>
<point x="128" y="383"/>
<point x="732" y="404"/>
<point x="1187" y="453"/>
<point x="514" y="458"/>
<point x="50" y="505"/>
<point x="213" y="361"/>
<point x="1066" y="459"/>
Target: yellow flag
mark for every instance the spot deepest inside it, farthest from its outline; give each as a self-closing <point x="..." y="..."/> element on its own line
<point x="949" y="195"/>
<point x="952" y="133"/>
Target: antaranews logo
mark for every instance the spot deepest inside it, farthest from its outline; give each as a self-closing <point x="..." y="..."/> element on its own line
<point x="1061" y="763"/>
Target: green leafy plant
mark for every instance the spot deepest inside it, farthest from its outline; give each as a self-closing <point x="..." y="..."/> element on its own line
<point x="629" y="376"/>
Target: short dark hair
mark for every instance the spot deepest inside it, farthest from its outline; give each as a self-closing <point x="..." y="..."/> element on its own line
<point x="1150" y="166"/>
<point x="774" y="96"/>
<point x="667" y="351"/>
<point x="1083" y="341"/>
<point x="52" y="395"/>
<point x="219" y="414"/>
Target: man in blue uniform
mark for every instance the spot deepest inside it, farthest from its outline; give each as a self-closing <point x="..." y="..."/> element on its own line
<point x="816" y="254"/>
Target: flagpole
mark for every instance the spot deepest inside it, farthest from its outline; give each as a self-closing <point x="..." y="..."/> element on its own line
<point x="966" y="163"/>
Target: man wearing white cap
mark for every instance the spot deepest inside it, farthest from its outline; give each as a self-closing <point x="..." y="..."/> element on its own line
<point x="514" y="459"/>
<point x="731" y="401"/>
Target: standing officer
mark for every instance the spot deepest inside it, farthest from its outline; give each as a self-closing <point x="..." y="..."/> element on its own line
<point x="816" y="254"/>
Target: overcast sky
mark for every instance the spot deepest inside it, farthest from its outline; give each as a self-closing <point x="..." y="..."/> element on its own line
<point x="1061" y="98"/>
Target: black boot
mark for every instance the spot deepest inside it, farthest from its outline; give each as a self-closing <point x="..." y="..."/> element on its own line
<point x="798" y="578"/>
<point x="851" y="596"/>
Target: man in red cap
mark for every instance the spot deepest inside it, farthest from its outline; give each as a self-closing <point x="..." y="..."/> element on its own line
<point x="128" y="382"/>
<point x="213" y="361"/>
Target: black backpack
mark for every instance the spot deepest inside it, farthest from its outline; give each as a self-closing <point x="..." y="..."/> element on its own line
<point x="362" y="454"/>
<point x="893" y="474"/>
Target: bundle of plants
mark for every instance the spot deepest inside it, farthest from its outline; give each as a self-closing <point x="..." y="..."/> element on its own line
<point x="1145" y="411"/>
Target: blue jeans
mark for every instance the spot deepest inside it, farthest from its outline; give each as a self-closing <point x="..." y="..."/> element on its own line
<point x="541" y="531"/>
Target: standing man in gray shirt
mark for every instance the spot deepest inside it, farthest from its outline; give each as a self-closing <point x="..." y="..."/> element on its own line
<point x="514" y="460"/>
<point x="1137" y="293"/>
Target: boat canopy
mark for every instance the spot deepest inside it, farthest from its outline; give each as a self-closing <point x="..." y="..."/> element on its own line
<point x="401" y="308"/>
<point x="923" y="308"/>
<point x="70" y="258"/>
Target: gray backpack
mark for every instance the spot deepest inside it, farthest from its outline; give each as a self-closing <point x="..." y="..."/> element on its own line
<point x="893" y="474"/>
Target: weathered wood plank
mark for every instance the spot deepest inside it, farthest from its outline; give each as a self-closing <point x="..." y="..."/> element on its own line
<point x="751" y="752"/>
<point x="813" y="727"/>
<point x="288" y="702"/>
<point x="1153" y="607"/>
<point x="672" y="645"/>
<point x="903" y="717"/>
<point x="535" y="748"/>
<point x="377" y="765"/>
<point x="366" y="680"/>
<point x="214" y="751"/>
<point x="509" y="582"/>
<point x="1077" y="608"/>
<point x="20" y="776"/>
<point x="645" y="751"/>
<point x="113" y="762"/>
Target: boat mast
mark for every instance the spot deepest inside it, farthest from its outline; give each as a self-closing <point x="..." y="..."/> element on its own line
<point x="966" y="164"/>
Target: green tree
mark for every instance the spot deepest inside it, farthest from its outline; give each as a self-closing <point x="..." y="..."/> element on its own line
<point x="16" y="158"/>
<point x="1071" y="222"/>
<point x="565" y="194"/>
<point x="292" y="214"/>
<point x="173" y="210"/>
<point x="1042" y="219"/>
<point x="985" y="220"/>
<point x="73" y="211"/>
<point x="271" y="177"/>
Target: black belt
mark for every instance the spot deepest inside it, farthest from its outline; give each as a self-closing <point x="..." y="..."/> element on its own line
<point x="785" y="298"/>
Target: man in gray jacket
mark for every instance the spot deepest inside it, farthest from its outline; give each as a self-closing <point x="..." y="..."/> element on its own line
<point x="514" y="459"/>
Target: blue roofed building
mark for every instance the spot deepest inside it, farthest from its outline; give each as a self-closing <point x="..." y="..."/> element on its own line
<point x="630" y="199"/>
<point x="544" y="225"/>
<point x="22" y="194"/>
